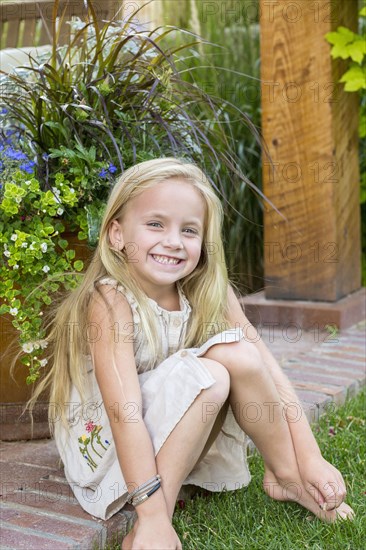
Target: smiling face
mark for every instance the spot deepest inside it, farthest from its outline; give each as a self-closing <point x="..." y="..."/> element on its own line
<point x="162" y="232"/>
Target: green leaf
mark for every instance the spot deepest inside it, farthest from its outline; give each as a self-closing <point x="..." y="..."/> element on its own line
<point x="82" y="236"/>
<point x="357" y="50"/>
<point x="340" y="39"/>
<point x="62" y="243"/>
<point x="94" y="214"/>
<point x="78" y="265"/>
<point x="354" y="79"/>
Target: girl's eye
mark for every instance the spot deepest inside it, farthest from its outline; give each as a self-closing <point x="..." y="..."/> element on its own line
<point x="189" y="230"/>
<point x="154" y="224"/>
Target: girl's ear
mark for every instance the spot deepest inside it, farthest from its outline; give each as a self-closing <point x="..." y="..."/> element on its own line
<point x="115" y="235"/>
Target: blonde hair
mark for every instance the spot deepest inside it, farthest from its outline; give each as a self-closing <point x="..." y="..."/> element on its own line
<point x="205" y="288"/>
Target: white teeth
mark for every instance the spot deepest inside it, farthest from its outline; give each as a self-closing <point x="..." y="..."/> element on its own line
<point x="165" y="260"/>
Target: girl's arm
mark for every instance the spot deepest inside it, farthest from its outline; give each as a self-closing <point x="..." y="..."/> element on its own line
<point x="116" y="374"/>
<point x="323" y="481"/>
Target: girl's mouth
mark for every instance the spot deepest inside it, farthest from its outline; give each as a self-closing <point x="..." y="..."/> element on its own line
<point x="166" y="260"/>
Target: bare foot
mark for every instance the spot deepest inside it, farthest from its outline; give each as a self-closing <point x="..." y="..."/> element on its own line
<point x="296" y="492"/>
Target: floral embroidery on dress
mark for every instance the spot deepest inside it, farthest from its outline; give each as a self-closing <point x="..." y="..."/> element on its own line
<point x="91" y="446"/>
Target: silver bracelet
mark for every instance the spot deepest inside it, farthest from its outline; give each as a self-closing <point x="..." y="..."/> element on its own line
<point x="144" y="488"/>
<point x="140" y="499"/>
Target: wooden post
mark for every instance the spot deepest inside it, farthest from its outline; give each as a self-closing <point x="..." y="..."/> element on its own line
<point x="311" y="128"/>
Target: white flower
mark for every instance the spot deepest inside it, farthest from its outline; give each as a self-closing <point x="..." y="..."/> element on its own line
<point x="56" y="193"/>
<point x="13" y="311"/>
<point x="18" y="200"/>
<point x="16" y="266"/>
<point x="72" y="190"/>
<point x="43" y="362"/>
<point x="31" y="246"/>
<point x="7" y="253"/>
<point x="43" y="343"/>
<point x="45" y="268"/>
<point x="27" y="347"/>
<point x="14" y="237"/>
<point x="28" y="182"/>
<point x="44" y="247"/>
<point x="60" y="211"/>
<point x="36" y="345"/>
<point x="24" y="245"/>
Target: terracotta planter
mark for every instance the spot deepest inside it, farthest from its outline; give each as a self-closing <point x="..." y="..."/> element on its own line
<point x="15" y="392"/>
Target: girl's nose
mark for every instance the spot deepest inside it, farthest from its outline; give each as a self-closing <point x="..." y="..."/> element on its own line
<point x="173" y="240"/>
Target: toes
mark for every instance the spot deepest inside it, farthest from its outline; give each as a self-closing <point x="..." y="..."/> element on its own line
<point x="345" y="512"/>
<point x="336" y="496"/>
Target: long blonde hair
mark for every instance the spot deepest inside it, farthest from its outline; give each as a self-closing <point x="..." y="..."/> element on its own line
<point x="205" y="288"/>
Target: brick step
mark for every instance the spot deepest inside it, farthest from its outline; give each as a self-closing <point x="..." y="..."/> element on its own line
<point x="53" y="527"/>
<point x="321" y="378"/>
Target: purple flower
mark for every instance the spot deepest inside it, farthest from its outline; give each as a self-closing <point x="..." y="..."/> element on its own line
<point x="28" y="167"/>
<point x="103" y="173"/>
<point x="15" y="155"/>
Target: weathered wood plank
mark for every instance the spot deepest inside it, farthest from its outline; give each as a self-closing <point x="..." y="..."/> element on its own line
<point x="29" y="32"/>
<point x="12" y="34"/>
<point x="310" y="125"/>
<point x="11" y="13"/>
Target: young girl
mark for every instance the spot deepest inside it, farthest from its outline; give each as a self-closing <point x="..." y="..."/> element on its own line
<point x="158" y="378"/>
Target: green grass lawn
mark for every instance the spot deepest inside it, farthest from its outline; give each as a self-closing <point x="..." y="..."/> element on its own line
<point x="249" y="519"/>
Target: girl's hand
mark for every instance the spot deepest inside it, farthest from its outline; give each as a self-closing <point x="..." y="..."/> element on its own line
<point x="323" y="481"/>
<point x="152" y="532"/>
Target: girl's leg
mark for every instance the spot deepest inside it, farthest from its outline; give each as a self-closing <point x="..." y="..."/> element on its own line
<point x="258" y="409"/>
<point x="183" y="447"/>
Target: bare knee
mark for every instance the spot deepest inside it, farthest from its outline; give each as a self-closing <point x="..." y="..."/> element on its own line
<point x="219" y="392"/>
<point x="239" y="358"/>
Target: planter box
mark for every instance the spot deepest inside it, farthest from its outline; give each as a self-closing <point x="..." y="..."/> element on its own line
<point x="14" y="392"/>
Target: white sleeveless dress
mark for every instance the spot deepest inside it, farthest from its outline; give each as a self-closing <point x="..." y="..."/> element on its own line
<point x="87" y="448"/>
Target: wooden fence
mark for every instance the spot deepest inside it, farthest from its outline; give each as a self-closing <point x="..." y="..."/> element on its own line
<point x="30" y="23"/>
